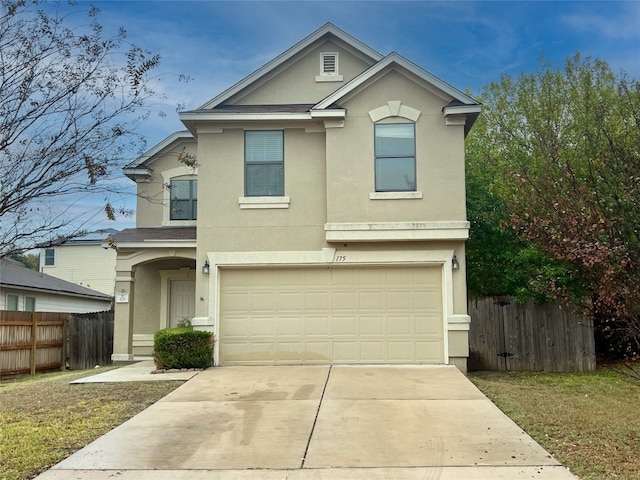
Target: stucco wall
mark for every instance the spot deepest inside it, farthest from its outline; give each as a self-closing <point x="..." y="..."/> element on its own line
<point x="152" y="203"/>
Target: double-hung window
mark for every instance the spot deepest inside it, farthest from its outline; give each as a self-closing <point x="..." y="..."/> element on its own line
<point x="184" y="199"/>
<point x="49" y="257"/>
<point x="264" y="163"/>
<point x="395" y="162"/>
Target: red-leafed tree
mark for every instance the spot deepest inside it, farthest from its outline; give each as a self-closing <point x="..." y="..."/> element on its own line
<point x="564" y="145"/>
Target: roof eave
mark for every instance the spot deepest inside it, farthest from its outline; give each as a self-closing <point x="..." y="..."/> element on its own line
<point x="327" y="28"/>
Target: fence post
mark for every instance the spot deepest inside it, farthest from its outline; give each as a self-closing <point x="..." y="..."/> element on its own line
<point x="34" y="343"/>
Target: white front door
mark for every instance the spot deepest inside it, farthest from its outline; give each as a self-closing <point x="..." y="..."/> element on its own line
<point x="182" y="301"/>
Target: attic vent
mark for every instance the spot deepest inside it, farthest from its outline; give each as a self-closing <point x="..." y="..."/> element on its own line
<point x="328" y="68"/>
<point x="329" y="63"/>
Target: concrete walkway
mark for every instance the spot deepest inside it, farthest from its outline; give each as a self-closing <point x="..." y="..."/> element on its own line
<point x="316" y="423"/>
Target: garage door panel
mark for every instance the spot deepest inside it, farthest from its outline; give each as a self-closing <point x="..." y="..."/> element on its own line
<point x="370" y="325"/>
<point x="318" y="326"/>
<point x="290" y="326"/>
<point x="428" y="325"/>
<point x="318" y="351"/>
<point x="338" y="314"/>
<point x="403" y="351"/>
<point x="344" y="325"/>
<point x="345" y="351"/>
<point x="427" y="349"/>
<point x="399" y="325"/>
<point x="317" y="301"/>
<point x="291" y="301"/>
<point x="372" y="351"/>
<point x="344" y="302"/>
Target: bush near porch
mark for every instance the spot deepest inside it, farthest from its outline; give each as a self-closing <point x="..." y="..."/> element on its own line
<point x="182" y="347"/>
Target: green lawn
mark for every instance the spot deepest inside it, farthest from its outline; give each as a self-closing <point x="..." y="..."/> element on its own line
<point x="588" y="421"/>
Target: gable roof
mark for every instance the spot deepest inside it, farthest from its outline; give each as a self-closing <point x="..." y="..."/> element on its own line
<point x="15" y="275"/>
<point x="460" y="103"/>
<point x="326" y="29"/>
<point x="395" y="59"/>
<point x="137" y="167"/>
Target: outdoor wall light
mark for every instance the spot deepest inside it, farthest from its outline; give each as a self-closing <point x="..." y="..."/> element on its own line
<point x="205" y="268"/>
<point x="454" y="263"/>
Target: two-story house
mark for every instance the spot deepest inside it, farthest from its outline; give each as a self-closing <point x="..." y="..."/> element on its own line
<point x="84" y="260"/>
<point x="323" y="219"/>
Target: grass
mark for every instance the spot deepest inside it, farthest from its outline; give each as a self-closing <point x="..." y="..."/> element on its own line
<point x="43" y="419"/>
<point x="590" y="422"/>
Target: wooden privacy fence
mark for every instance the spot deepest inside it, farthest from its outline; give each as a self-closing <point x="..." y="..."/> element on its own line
<point x="505" y="335"/>
<point x="31" y="342"/>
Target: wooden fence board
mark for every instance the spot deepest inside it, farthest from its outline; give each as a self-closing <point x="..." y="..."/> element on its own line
<point x="39" y="341"/>
<point x="506" y="335"/>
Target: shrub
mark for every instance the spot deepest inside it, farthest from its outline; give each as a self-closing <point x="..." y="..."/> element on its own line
<point x="182" y="347"/>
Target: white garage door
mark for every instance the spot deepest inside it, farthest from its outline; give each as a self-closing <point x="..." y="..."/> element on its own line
<point x="331" y="314"/>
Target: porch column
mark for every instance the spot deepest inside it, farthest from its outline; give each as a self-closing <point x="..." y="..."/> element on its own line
<point x="123" y="317"/>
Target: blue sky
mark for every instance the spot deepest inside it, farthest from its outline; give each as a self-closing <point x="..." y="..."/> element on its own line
<point x="466" y="43"/>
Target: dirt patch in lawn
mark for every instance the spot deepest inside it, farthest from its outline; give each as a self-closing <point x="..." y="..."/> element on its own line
<point x="43" y="419"/>
<point x="588" y="421"/>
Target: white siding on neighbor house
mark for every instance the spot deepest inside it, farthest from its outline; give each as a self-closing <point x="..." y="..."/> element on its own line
<point x="50" y="302"/>
<point x="88" y="265"/>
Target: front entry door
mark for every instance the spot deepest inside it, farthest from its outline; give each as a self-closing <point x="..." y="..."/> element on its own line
<point x="182" y="301"/>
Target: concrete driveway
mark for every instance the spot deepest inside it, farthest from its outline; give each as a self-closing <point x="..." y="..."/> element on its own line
<point x="317" y="422"/>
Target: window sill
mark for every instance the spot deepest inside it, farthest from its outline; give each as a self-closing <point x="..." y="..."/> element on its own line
<point x="247" y="203"/>
<point x="179" y="223"/>
<point x="329" y="78"/>
<point x="395" y="195"/>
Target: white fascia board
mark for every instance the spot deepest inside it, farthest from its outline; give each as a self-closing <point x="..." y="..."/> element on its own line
<point x="407" y="65"/>
<point x="159" y="244"/>
<point x="135" y="172"/>
<point x="182" y="134"/>
<point x="287" y="55"/>
<point x="212" y="116"/>
<point x="462" y="109"/>
<point x="328" y="113"/>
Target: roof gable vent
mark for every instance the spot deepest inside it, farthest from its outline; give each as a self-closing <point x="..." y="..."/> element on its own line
<point x="329" y="68"/>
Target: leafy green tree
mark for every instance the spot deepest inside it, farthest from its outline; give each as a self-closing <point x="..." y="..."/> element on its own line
<point x="563" y="146"/>
<point x="71" y="99"/>
<point x="30" y="260"/>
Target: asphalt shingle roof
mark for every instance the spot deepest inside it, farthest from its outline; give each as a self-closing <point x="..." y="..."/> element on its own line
<point x="14" y="274"/>
<point x="134" y="235"/>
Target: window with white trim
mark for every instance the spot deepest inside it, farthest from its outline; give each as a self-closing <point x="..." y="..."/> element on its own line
<point x="49" y="257"/>
<point x="264" y="163"/>
<point x="395" y="157"/>
<point x="183" y="199"/>
<point x="29" y="304"/>
<point x="12" y="302"/>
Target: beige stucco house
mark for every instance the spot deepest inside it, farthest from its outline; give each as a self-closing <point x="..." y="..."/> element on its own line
<point x="322" y="221"/>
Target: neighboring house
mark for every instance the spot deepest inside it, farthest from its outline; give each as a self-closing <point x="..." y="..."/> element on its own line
<point x="83" y="261"/>
<point x="23" y="289"/>
<point x="323" y="219"/>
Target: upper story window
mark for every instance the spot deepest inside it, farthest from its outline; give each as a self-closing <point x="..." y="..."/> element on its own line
<point x="264" y="163"/>
<point x="49" y="257"/>
<point x="395" y="157"/>
<point x="184" y="199"/>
